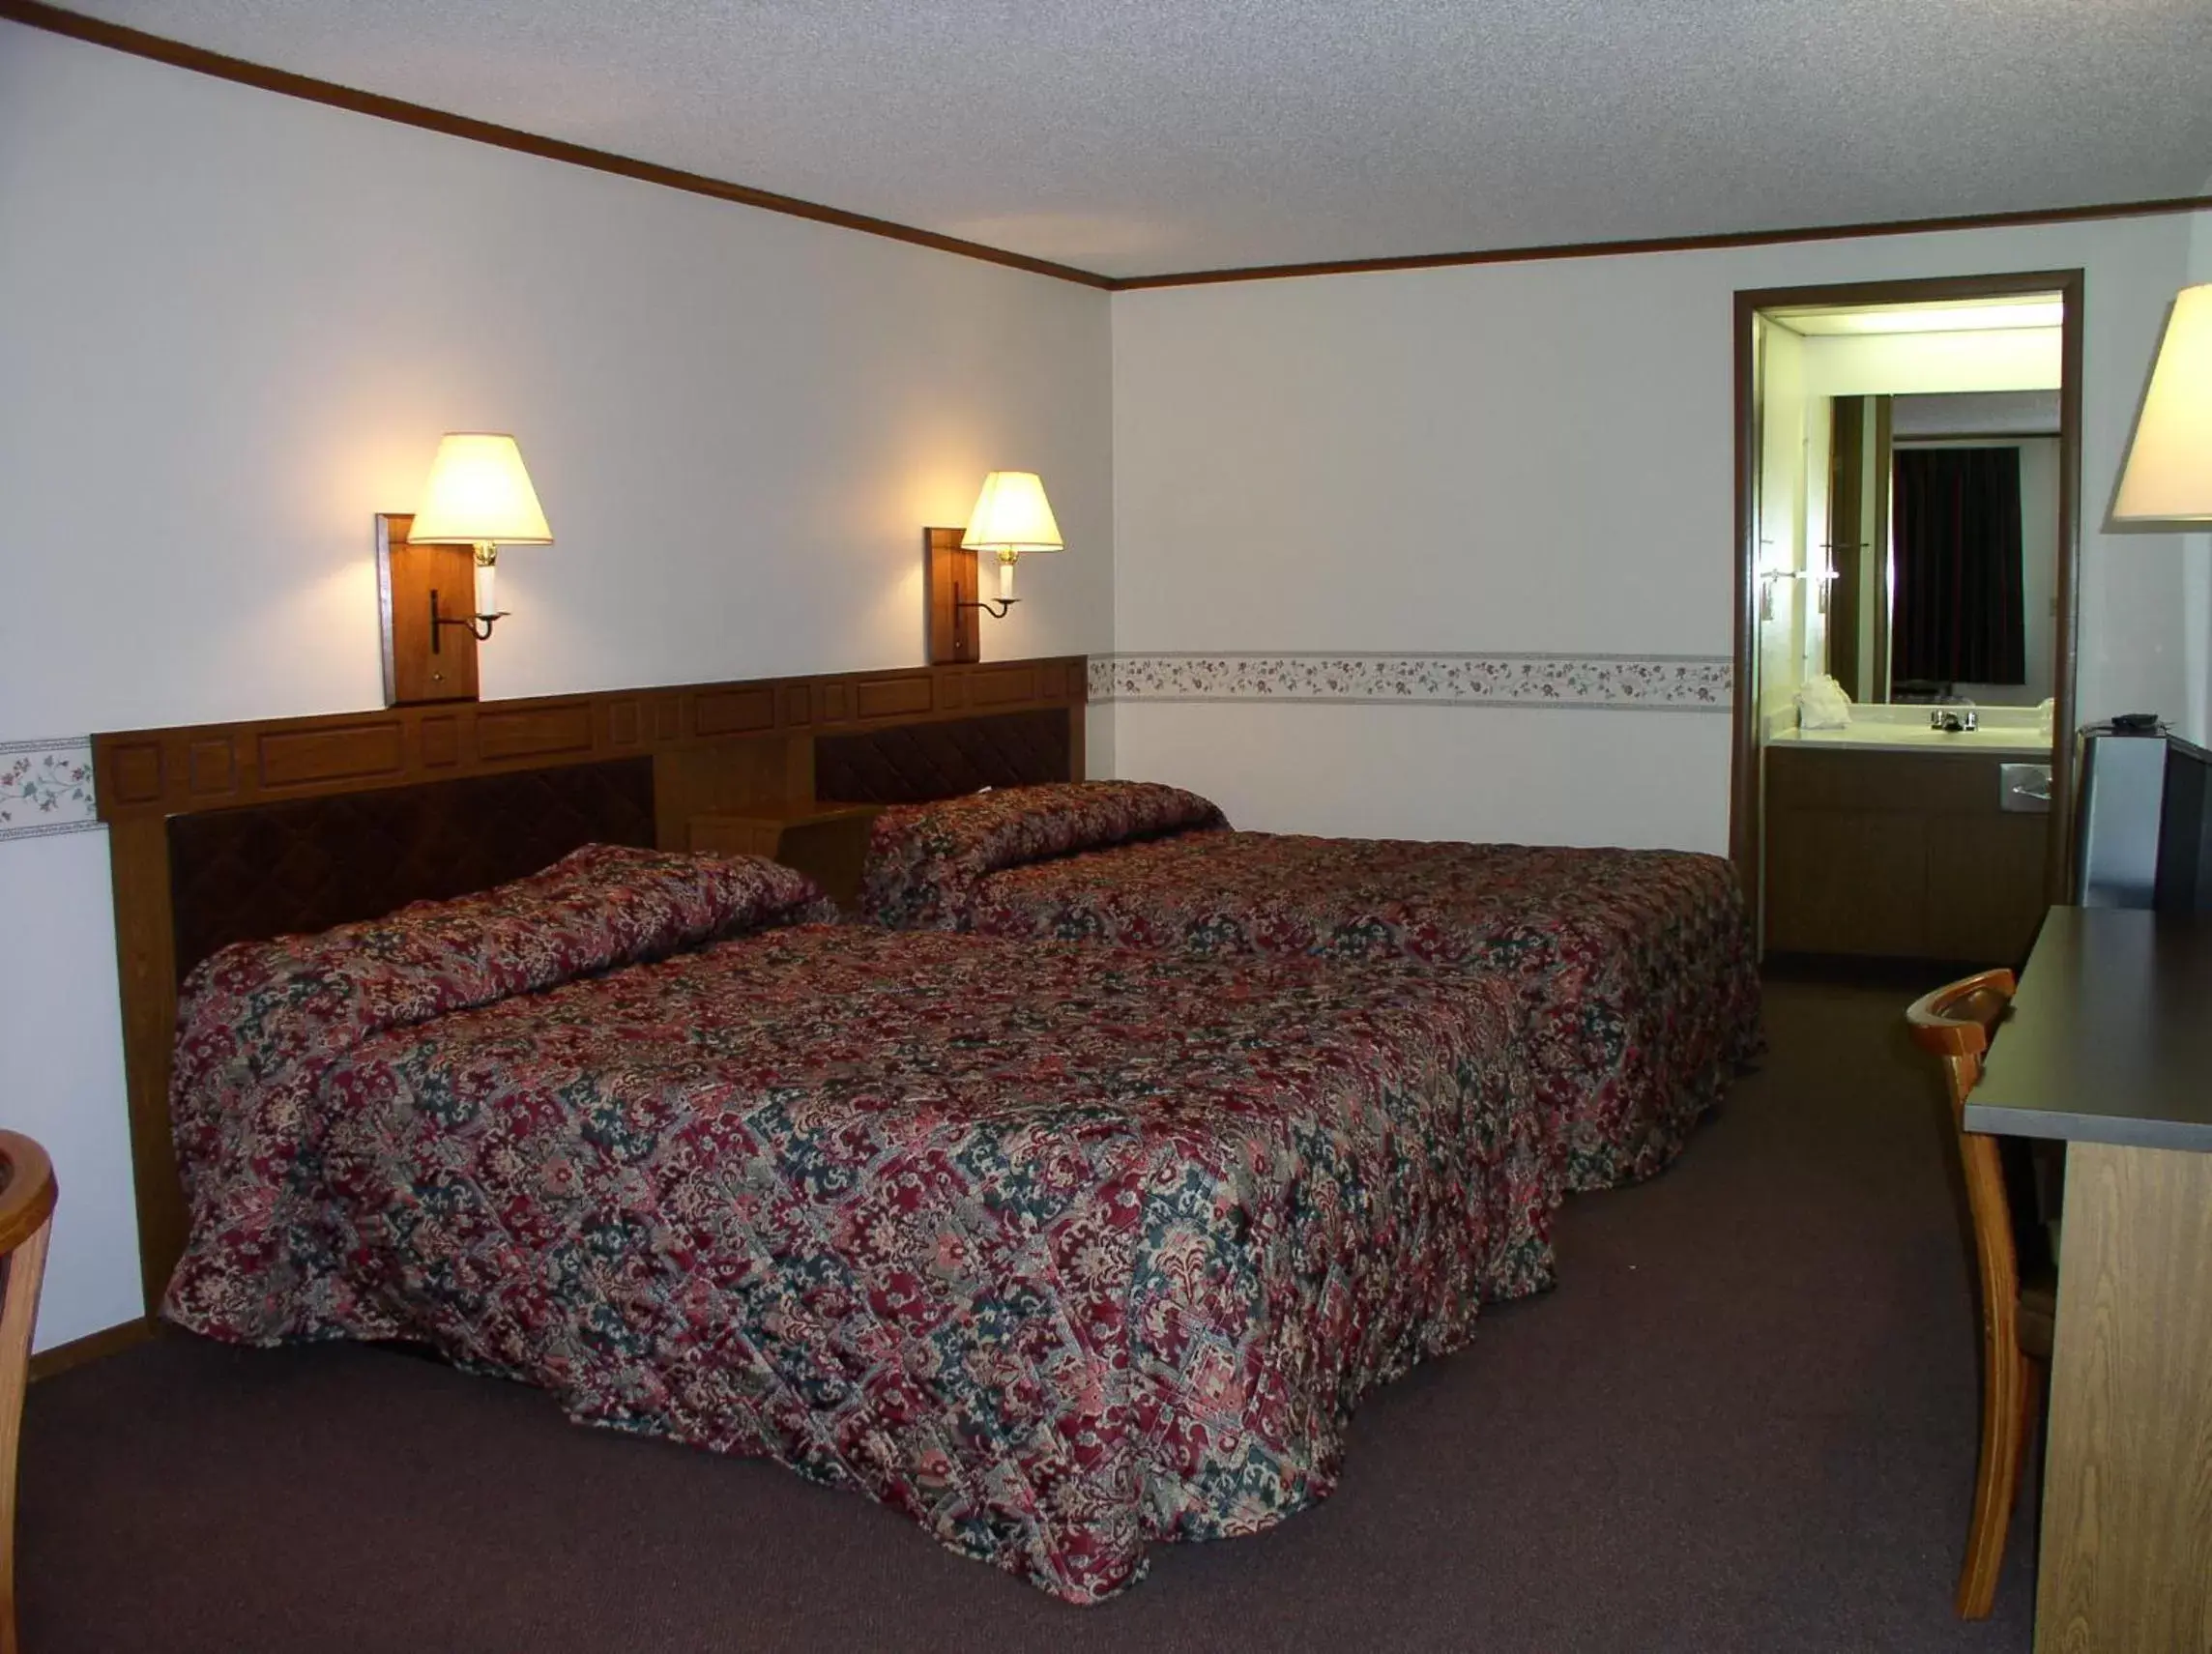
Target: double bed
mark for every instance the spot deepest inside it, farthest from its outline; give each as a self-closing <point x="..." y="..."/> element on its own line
<point x="1636" y="969"/>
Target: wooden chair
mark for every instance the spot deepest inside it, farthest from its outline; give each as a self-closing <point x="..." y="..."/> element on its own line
<point x="27" y="1194"/>
<point x="1955" y="1022"/>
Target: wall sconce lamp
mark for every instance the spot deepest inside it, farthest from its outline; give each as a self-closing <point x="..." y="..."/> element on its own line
<point x="479" y="495"/>
<point x="2167" y="477"/>
<point x="1011" y="516"/>
<point x="478" y="499"/>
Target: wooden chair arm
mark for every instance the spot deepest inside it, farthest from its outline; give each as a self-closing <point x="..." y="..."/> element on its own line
<point x="28" y="1199"/>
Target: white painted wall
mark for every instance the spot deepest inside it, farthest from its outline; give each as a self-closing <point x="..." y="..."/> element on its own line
<point x="232" y="327"/>
<point x="2197" y="590"/>
<point x="63" y="1035"/>
<point x="1533" y="457"/>
<point x="1608" y="778"/>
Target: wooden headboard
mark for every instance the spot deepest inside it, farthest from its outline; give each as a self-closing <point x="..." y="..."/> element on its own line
<point x="910" y="764"/>
<point x="306" y="864"/>
<point x="225" y="833"/>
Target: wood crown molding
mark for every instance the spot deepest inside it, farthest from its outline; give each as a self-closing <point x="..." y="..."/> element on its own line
<point x="137" y="42"/>
<point x="1675" y="243"/>
<point x="148" y="774"/>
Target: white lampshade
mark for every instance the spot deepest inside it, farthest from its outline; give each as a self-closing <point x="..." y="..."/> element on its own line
<point x="1012" y="515"/>
<point x="479" y="494"/>
<point x="2167" y="477"/>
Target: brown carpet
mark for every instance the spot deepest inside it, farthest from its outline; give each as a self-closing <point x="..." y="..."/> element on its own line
<point x="1745" y="1420"/>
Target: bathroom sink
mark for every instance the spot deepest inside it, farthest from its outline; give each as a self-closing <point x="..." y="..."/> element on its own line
<point x="1919" y="738"/>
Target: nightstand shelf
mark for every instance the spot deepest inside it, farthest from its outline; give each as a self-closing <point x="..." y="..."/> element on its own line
<point x="829" y="843"/>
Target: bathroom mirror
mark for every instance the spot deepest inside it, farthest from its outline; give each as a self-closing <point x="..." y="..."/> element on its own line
<point x="1942" y="547"/>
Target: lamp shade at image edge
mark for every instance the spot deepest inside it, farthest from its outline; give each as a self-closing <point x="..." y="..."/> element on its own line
<point x="479" y="493"/>
<point x="2167" y="477"/>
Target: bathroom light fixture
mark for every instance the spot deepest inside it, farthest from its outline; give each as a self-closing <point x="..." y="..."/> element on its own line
<point x="1817" y="578"/>
<point x="436" y="570"/>
<point x="2167" y="477"/>
<point x="1011" y="516"/>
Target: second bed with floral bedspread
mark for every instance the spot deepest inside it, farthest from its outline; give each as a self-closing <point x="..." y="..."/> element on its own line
<point x="1057" y="1250"/>
<point x="1636" y="967"/>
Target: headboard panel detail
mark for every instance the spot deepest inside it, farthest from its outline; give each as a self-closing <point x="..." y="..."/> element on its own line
<point x="309" y="863"/>
<point x="912" y="763"/>
<point x="146" y="774"/>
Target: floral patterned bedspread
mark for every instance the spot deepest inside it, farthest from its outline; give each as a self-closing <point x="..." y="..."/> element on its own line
<point x="1058" y="1250"/>
<point x="927" y="863"/>
<point x="1636" y="967"/>
<point x="260" y="1023"/>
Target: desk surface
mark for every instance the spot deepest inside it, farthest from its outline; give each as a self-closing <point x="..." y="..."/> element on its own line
<point x="2109" y="1038"/>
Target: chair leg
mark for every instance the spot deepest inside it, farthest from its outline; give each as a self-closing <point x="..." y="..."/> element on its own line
<point x="2004" y="1398"/>
<point x="26" y="1269"/>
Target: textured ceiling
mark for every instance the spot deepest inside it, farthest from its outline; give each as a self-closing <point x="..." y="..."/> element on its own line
<point x="1142" y="136"/>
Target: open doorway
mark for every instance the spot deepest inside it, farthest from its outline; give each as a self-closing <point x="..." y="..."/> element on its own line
<point x="1907" y="461"/>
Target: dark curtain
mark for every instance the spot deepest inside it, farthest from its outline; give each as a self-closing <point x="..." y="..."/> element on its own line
<point x="1958" y="612"/>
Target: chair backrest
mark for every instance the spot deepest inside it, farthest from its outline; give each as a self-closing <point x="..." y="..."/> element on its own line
<point x="26" y="1220"/>
<point x="1955" y="1022"/>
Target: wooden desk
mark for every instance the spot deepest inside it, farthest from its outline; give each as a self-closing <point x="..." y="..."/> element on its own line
<point x="829" y="843"/>
<point x="2108" y="1047"/>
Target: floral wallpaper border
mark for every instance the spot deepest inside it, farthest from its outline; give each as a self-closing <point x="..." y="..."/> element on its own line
<point x="1632" y="683"/>
<point x="45" y="787"/>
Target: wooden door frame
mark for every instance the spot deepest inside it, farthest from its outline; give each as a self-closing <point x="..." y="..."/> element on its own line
<point x="1883" y="439"/>
<point x="1744" y="847"/>
<point x="1849" y="439"/>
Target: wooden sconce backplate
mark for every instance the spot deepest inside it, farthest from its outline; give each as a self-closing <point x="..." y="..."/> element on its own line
<point x="414" y="670"/>
<point x="955" y="633"/>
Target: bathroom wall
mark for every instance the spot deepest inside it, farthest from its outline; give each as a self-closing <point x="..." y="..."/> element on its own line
<point x="1872" y="364"/>
<point x="1788" y="466"/>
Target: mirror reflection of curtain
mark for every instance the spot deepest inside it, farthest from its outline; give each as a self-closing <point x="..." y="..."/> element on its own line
<point x="1959" y="611"/>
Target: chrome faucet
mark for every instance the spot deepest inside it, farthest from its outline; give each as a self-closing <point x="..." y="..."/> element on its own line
<point x="1956" y="719"/>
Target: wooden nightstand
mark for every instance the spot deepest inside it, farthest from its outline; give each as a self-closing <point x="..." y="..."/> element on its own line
<point x="829" y="843"/>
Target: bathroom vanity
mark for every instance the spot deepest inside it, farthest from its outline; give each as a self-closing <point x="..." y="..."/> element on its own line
<point x="1892" y="840"/>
